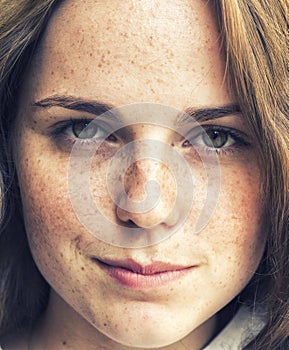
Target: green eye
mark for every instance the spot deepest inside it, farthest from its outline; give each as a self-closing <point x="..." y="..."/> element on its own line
<point x="85" y="130"/>
<point x="215" y="138"/>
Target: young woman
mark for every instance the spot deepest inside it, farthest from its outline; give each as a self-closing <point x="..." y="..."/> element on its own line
<point x="94" y="95"/>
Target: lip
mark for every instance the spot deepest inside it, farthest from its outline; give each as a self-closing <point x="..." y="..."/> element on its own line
<point x="131" y="274"/>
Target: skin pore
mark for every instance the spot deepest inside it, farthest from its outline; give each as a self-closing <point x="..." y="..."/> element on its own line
<point x="117" y="54"/>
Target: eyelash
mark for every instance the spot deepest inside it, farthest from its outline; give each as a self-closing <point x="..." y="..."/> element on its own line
<point x="239" y="140"/>
<point x="60" y="134"/>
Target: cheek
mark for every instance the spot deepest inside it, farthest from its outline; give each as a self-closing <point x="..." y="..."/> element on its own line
<point x="47" y="211"/>
<point x="52" y="224"/>
<point x="241" y="203"/>
<point x="234" y="237"/>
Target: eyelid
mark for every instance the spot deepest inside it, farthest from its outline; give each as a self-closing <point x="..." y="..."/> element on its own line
<point x="63" y="137"/>
<point x="60" y="126"/>
<point x="240" y="144"/>
<point x="57" y="127"/>
<point x="235" y="133"/>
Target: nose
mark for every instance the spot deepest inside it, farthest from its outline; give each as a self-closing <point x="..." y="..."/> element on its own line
<point x="150" y="195"/>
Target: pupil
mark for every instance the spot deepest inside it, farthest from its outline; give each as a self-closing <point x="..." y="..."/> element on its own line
<point x="215" y="138"/>
<point x="83" y="130"/>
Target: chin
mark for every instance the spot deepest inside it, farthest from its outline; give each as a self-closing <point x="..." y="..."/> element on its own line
<point x="144" y="338"/>
<point x="148" y="343"/>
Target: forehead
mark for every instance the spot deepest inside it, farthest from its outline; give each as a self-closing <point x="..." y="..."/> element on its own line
<point x="111" y="48"/>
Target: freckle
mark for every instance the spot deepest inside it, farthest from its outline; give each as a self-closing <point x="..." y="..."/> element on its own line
<point x="77" y="240"/>
<point x="99" y="65"/>
<point x="105" y="324"/>
<point x="82" y="268"/>
<point x="72" y="71"/>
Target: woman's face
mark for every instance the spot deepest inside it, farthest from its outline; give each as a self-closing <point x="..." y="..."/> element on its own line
<point x="164" y="56"/>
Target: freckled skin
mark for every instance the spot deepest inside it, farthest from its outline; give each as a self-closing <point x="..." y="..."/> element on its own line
<point x="168" y="53"/>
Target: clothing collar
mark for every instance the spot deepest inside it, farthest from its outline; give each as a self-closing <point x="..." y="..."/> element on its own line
<point x="243" y="328"/>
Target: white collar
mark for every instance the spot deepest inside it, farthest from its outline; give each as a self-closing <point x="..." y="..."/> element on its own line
<point x="244" y="327"/>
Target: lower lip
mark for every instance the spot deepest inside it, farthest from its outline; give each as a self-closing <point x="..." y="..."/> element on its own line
<point x="135" y="280"/>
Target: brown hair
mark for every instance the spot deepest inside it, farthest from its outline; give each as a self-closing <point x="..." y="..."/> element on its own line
<point x="254" y="39"/>
<point x="23" y="291"/>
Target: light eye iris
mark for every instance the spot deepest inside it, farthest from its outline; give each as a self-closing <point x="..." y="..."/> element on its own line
<point x="215" y="138"/>
<point x="84" y="130"/>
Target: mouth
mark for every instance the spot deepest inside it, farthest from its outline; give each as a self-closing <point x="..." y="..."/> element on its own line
<point x="131" y="274"/>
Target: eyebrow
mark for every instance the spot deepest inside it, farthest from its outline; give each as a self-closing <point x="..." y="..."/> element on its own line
<point x="77" y="104"/>
<point x="189" y="115"/>
<point x="192" y="114"/>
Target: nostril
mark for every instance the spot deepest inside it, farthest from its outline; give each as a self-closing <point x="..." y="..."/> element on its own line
<point x="130" y="223"/>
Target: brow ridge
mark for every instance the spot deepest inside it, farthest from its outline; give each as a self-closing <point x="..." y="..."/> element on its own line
<point x="73" y="103"/>
<point x="205" y="114"/>
<point x="189" y="115"/>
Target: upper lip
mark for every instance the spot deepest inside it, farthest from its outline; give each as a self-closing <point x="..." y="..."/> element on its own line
<point x="153" y="268"/>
